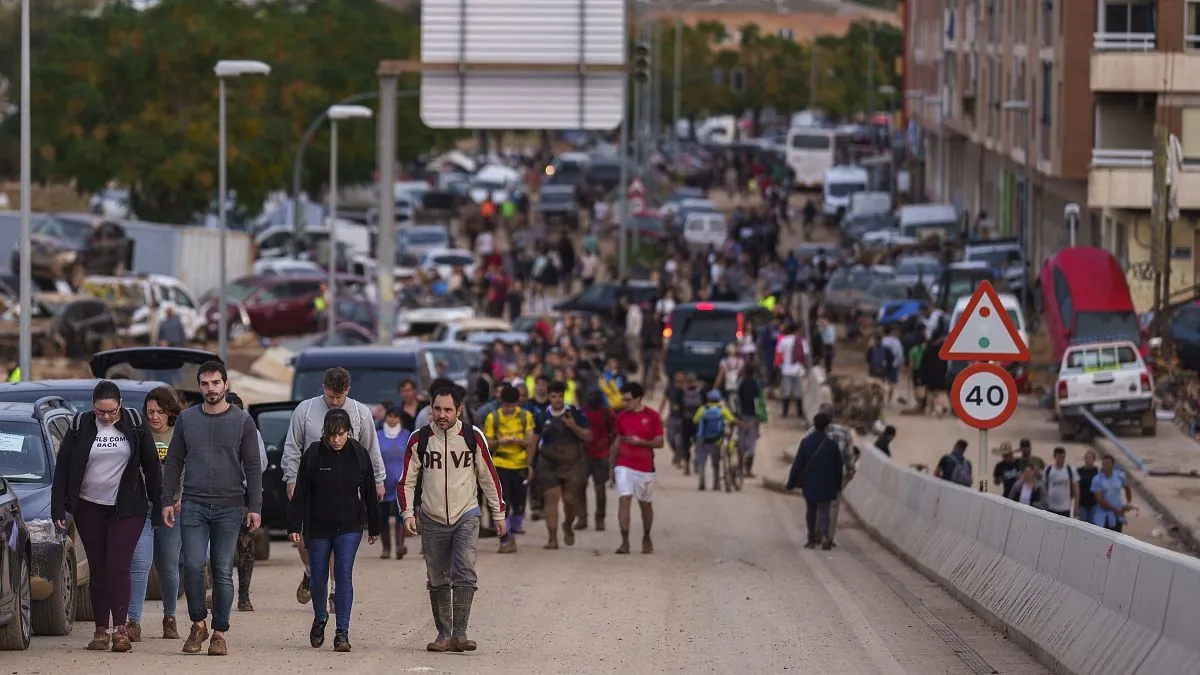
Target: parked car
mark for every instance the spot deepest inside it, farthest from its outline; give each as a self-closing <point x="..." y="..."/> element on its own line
<point x="445" y="260"/>
<point x="141" y="301"/>
<point x="678" y="197"/>
<point x="1109" y="379"/>
<point x="601" y="176"/>
<point x="286" y="267"/>
<point x="418" y="239"/>
<point x="458" y="331"/>
<point x="273" y="421"/>
<point x="16" y="587"/>
<point x="270" y="305"/>
<point x="698" y="332"/>
<point x="71" y="246"/>
<point x="30" y="434"/>
<point x="558" y="205"/>
<point x="1085" y="297"/>
<point x="375" y="372"/>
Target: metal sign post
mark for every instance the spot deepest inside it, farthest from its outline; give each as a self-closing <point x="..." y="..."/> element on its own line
<point x="984" y="395"/>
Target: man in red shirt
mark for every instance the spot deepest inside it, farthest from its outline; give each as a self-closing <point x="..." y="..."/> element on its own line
<point x="639" y="434"/>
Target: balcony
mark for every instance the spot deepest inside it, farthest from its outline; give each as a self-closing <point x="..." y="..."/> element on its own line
<point x="1132" y="187"/>
<point x="1123" y="42"/>
<point x="1122" y="156"/>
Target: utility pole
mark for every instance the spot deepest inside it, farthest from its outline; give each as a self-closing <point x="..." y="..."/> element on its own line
<point x="1159" y="236"/>
<point x="677" y="84"/>
<point x="1027" y="236"/>
<point x="870" y="72"/>
<point x="656" y="83"/>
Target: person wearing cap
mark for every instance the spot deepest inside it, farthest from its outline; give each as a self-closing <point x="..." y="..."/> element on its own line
<point x="710" y="422"/>
<point x="1028" y="458"/>
<point x="1008" y="469"/>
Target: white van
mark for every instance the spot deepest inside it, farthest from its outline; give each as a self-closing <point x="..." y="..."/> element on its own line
<point x="840" y="183"/>
<point x="703" y="229"/>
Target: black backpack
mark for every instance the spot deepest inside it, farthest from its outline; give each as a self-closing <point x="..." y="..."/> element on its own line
<point x="135" y="416"/>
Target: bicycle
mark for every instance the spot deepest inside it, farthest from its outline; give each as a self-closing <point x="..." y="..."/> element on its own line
<point x="731" y="461"/>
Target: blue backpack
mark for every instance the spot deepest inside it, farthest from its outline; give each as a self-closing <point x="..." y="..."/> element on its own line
<point x="712" y="424"/>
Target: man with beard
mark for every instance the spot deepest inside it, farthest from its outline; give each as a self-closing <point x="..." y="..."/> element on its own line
<point x="454" y="459"/>
<point x="214" y="452"/>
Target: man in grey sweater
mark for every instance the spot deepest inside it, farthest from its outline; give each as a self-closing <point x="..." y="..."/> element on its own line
<point x="215" y="452"/>
<point x="308" y="420"/>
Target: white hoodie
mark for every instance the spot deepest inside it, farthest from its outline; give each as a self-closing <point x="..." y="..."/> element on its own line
<point x="452" y="476"/>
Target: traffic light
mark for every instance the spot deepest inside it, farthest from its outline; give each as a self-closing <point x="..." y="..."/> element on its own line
<point x="641" y="63"/>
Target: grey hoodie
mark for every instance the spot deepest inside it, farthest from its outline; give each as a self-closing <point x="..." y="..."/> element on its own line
<point x="308" y="420"/>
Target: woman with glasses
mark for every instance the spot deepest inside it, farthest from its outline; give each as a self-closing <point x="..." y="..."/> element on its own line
<point x="157" y="546"/>
<point x="106" y="475"/>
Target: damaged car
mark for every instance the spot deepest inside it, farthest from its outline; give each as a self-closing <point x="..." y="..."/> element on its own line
<point x="30" y="434"/>
<point x="63" y="325"/>
<point x="70" y="246"/>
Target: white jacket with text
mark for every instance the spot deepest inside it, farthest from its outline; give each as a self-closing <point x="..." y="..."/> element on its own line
<point x="451" y="475"/>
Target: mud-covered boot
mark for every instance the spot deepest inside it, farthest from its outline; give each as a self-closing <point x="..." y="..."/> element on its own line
<point x="463" y="597"/>
<point x="440" y="602"/>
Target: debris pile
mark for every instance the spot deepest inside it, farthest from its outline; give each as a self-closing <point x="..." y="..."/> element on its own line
<point x="859" y="404"/>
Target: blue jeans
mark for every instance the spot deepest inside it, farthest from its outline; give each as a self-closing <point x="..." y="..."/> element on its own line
<point x="143" y="558"/>
<point x="159" y="546"/>
<point x="205" y="528"/>
<point x="343" y="548"/>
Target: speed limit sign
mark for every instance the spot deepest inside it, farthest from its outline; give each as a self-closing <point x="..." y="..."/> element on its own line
<point x="984" y="395"/>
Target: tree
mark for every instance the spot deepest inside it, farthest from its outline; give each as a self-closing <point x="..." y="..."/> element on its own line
<point x="130" y="96"/>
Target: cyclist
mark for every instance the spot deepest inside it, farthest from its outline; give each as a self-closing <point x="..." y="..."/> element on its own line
<point x="711" y="421"/>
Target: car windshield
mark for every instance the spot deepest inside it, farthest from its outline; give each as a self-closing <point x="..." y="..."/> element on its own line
<point x="845" y="189"/>
<point x="370" y="385"/>
<point x="76" y="232"/>
<point x="996" y="258"/>
<point x="911" y="267"/>
<point x="810" y="142"/>
<point x="557" y="197"/>
<point x="424" y="237"/>
<point x="1106" y="326"/>
<point x="453" y="259"/>
<point x="22" y="452"/>
<point x="707" y="326"/>
<point x="449" y="361"/>
<point x="238" y="291"/>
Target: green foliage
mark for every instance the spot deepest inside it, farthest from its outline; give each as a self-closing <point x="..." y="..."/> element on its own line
<point x="130" y="96"/>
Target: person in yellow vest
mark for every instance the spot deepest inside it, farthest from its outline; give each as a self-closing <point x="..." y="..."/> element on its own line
<point x="14" y="375"/>
<point x="768" y="303"/>
<point x="321" y="304"/>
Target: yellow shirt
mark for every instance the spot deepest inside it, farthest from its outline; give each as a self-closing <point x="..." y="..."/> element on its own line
<point x="569" y="396"/>
<point x="507" y="435"/>
<point x="15" y="375"/>
<point x="725" y="412"/>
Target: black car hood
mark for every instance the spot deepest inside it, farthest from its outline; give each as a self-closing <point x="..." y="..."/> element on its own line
<point x="149" y="358"/>
<point x="34" y="499"/>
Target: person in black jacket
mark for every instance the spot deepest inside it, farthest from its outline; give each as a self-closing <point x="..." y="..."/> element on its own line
<point x="106" y="476"/>
<point x="818" y="471"/>
<point x="335" y="496"/>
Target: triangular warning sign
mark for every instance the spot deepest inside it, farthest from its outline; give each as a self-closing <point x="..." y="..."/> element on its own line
<point x="984" y="332"/>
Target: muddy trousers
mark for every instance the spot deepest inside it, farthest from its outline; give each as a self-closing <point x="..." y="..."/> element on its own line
<point x="834" y="509"/>
<point x="388" y="512"/>
<point x="598" y="473"/>
<point x="450" y="552"/>
<point x="109" y="542"/>
<point x="243" y="562"/>
<point x="816" y="518"/>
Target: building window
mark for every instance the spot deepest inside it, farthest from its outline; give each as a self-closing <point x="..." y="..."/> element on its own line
<point x="1190" y="138"/>
<point x="1191" y="29"/>
<point x="786" y="34"/>
<point x="1047" y="22"/>
<point x="1130" y="16"/>
<point x="1047" y="126"/>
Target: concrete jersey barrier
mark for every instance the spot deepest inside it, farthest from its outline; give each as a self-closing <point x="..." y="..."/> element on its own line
<point x="1081" y="599"/>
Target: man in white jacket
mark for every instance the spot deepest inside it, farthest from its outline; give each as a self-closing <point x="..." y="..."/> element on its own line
<point x="454" y="461"/>
<point x="308" y="419"/>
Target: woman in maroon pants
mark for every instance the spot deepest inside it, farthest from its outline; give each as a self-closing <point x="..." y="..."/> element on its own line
<point x="106" y="477"/>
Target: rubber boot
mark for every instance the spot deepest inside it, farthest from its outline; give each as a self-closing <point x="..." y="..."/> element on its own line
<point x="385" y="540"/>
<point x="463" y="597"/>
<point x="440" y="602"/>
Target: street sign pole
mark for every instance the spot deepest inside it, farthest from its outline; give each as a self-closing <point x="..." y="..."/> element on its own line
<point x="984" y="395"/>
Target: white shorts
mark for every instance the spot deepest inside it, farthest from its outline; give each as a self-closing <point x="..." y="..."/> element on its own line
<point x="636" y="484"/>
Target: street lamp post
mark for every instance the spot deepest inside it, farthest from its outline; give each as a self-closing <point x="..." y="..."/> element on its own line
<point x="1023" y="106"/>
<point x="336" y="113"/>
<point x="223" y="70"/>
<point x="25" y="338"/>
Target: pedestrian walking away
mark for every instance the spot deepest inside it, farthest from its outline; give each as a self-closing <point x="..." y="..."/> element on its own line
<point x="817" y="470"/>
<point x="107" y="476"/>
<point x="711" y="423"/>
<point x="844" y="441"/>
<point x="334" y="500"/>
<point x="509" y="431"/>
<point x="639" y="434"/>
<point x="214" y="454"/>
<point x="558" y="463"/>
<point x="393" y="439"/>
<point x="158" y="546"/>
<point x="307" y="424"/>
<point x="454" y="459"/>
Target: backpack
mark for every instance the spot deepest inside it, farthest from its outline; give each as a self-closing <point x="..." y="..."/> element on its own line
<point x="712" y="424"/>
<point x="880" y="361"/>
<point x="962" y="470"/>
<point x="1071" y="475"/>
<point x="693" y="400"/>
<point x="494" y="416"/>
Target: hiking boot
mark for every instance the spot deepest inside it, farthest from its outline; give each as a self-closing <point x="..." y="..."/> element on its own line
<point x="244" y="605"/>
<point x="303" y="592"/>
<point x="581" y="523"/>
<point x="623" y="549"/>
<point x="599" y="524"/>
<point x="196" y="638"/>
<point x="316" y="634"/>
<point x="826" y="544"/>
<point x="440" y="601"/>
<point x="100" y="641"/>
<point x="385" y="553"/>
<point x="133" y="630"/>
<point x="401" y="552"/>
<point x="341" y="641"/>
<point x="170" y="628"/>
<point x="647" y="545"/>
<point x="217" y="646"/>
<point x="509" y="546"/>
<point x="121" y="641"/>
<point x="568" y="535"/>
<point x="463" y="599"/>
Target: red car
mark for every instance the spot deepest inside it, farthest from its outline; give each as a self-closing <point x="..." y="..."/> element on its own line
<point x="1085" y="297"/>
<point x="270" y="305"/>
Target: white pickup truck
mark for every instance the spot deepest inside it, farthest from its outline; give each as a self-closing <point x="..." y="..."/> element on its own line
<point x="1109" y="380"/>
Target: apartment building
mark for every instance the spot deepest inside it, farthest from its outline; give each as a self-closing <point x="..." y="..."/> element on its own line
<point x="1081" y="85"/>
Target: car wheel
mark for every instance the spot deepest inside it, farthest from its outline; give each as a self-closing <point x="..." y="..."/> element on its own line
<point x="56" y="614"/>
<point x="262" y="544"/>
<point x="17" y="634"/>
